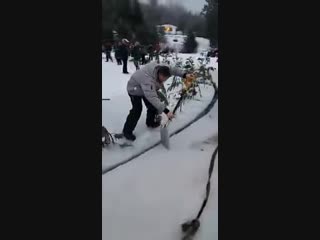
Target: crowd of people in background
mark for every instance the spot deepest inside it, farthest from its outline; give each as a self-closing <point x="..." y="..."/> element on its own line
<point x="140" y="54"/>
<point x="213" y="53"/>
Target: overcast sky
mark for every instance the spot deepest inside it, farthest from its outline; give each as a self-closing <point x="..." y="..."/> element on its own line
<point x="194" y="6"/>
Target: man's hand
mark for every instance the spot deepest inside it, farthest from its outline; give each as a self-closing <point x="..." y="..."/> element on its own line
<point x="170" y="115"/>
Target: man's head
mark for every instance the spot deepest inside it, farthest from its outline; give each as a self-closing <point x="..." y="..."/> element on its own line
<point x="163" y="73"/>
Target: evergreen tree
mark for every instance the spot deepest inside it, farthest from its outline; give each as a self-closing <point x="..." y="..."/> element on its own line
<point x="107" y="19"/>
<point x="154" y="3"/>
<point x="190" y="45"/>
<point x="135" y="14"/>
<point x="126" y="18"/>
<point x="210" y="11"/>
<point x="136" y="21"/>
<point x="161" y="36"/>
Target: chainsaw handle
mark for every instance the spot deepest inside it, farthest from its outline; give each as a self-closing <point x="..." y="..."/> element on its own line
<point x="178" y="103"/>
<point x="175" y="108"/>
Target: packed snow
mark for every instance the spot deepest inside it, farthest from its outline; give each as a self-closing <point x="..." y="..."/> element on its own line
<point x="115" y="111"/>
<point x="152" y="195"/>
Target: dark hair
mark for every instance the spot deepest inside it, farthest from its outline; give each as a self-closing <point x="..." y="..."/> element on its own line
<point x="165" y="71"/>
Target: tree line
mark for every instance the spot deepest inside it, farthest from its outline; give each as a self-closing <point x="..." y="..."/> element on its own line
<point x="137" y="21"/>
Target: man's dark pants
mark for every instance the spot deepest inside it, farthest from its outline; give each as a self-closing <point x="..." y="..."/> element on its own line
<point x="135" y="114"/>
<point x="119" y="61"/>
<point x="108" y="56"/>
<point x="125" y="61"/>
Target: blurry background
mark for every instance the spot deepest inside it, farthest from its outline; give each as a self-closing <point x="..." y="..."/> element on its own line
<point x="169" y="22"/>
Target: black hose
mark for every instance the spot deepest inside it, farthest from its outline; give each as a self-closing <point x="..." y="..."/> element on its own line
<point x="191" y="227"/>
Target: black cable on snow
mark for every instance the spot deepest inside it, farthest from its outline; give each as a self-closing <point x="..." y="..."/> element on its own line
<point x="191" y="227"/>
<point x="203" y="113"/>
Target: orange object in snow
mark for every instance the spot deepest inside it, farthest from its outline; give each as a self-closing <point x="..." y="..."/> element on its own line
<point x="188" y="82"/>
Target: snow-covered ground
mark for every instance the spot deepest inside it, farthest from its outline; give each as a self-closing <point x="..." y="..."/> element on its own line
<point x="115" y="111"/>
<point x="150" y="197"/>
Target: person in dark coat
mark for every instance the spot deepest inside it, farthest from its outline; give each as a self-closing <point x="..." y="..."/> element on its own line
<point x="124" y="53"/>
<point x="117" y="53"/>
<point x="135" y="53"/>
<point x="108" y="48"/>
<point x="150" y="52"/>
<point x="157" y="52"/>
<point x="143" y="55"/>
<point x="215" y="52"/>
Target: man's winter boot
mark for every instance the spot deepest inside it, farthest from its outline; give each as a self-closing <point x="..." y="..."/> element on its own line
<point x="129" y="136"/>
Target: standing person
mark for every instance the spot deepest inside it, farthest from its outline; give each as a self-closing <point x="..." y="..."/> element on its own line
<point x="143" y="55"/>
<point x="124" y="53"/>
<point x="215" y="52"/>
<point x="136" y="54"/>
<point x="103" y="50"/>
<point x="150" y="52"/>
<point x="143" y="85"/>
<point x="108" y="49"/>
<point x="157" y="52"/>
<point x="117" y="53"/>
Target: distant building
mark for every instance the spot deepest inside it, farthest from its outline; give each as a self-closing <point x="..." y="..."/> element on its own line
<point x="168" y="28"/>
